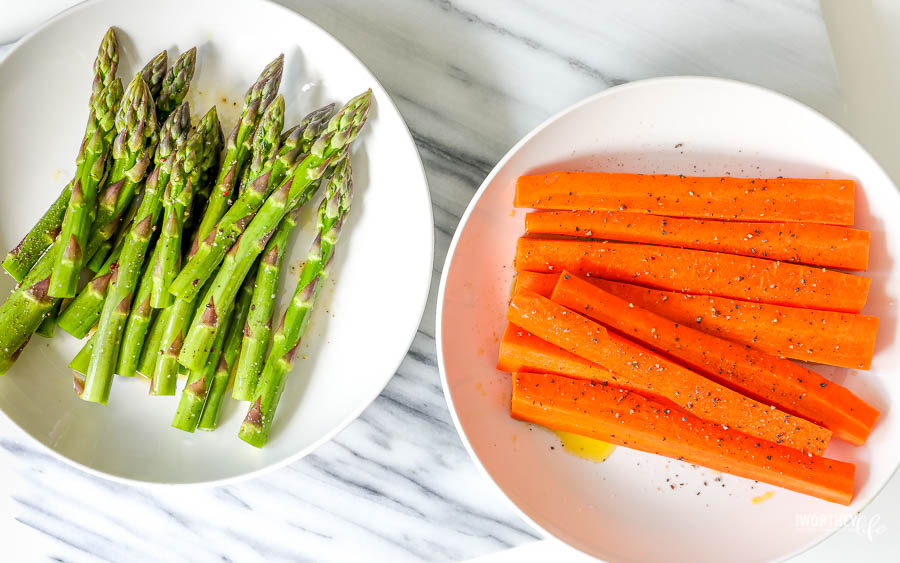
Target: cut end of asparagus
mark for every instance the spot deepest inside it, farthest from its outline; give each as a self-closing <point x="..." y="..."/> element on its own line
<point x="78" y="380"/>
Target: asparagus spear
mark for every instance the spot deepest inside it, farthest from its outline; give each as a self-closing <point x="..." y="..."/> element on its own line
<point x="198" y="155"/>
<point x="132" y="152"/>
<point x="177" y="202"/>
<point x="296" y="190"/>
<point x="265" y="142"/>
<point x="47" y="328"/>
<point x="237" y="147"/>
<point x="104" y="356"/>
<point x="231" y="348"/>
<point x="154" y="72"/>
<point x="332" y="214"/>
<point x="211" y="250"/>
<point x="79" y="215"/>
<point x="175" y="85"/>
<point x="198" y="391"/>
<point x="149" y="353"/>
<point x="25" y="309"/>
<point x="82" y="359"/>
<point x="22" y="258"/>
<point x="84" y="311"/>
<point x="258" y="328"/>
<point x="139" y="321"/>
<point x="138" y="355"/>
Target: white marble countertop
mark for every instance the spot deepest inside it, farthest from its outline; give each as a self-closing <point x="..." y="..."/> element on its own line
<point x="470" y="77"/>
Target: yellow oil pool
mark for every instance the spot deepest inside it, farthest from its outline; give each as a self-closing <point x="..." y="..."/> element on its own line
<point x="586" y="448"/>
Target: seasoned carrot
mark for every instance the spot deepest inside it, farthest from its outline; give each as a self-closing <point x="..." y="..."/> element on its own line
<point x="613" y="415"/>
<point x="804" y="243"/>
<point x="745" y="199"/>
<point x="773" y="381"/>
<point x="639" y="369"/>
<point x="823" y="337"/>
<point x="698" y="271"/>
<point x="522" y="351"/>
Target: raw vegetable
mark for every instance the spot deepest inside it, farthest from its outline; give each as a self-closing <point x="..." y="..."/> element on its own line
<point x="611" y="414"/>
<point x="698" y="272"/>
<point x="773" y="381"/>
<point x="824" y="337"/>
<point x="805" y="243"/>
<point x="637" y="368"/>
<point x="676" y="195"/>
<point x="332" y="213"/>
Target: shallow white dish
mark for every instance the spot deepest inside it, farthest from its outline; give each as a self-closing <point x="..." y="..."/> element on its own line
<point x="369" y="310"/>
<point x="635" y="506"/>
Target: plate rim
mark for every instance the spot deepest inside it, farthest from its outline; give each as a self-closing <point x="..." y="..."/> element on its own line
<point x="463" y="222"/>
<point x="344" y="423"/>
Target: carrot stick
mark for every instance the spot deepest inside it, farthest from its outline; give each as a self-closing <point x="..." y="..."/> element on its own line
<point x="745" y="199"/>
<point x="823" y="337"/>
<point x="626" y="419"/>
<point x="639" y="369"/>
<point x="522" y="351"/>
<point x="698" y="271"/>
<point x="804" y="243"/>
<point x="773" y="381"/>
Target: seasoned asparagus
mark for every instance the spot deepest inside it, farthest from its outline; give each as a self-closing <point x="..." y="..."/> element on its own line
<point x="296" y="190"/>
<point x="333" y="212"/>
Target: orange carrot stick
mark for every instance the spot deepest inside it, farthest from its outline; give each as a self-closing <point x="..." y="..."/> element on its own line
<point x="745" y="199"/>
<point x="774" y="381"/>
<point x="522" y="351"/>
<point x="804" y="243"/>
<point x="698" y="271"/>
<point x="626" y="419"/>
<point x="639" y="369"/>
<point x="823" y="337"/>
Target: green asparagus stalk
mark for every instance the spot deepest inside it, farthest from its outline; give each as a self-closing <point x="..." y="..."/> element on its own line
<point x="79" y="217"/>
<point x="296" y="190"/>
<point x="227" y="359"/>
<point x="154" y="72"/>
<point x="237" y="146"/>
<point x="258" y="328"/>
<point x="176" y="84"/>
<point x="101" y="255"/>
<point x="139" y="321"/>
<point x="136" y="354"/>
<point x="24" y="310"/>
<point x="132" y="152"/>
<point x="286" y="341"/>
<point x="196" y="390"/>
<point x="22" y="258"/>
<point x="150" y="352"/>
<point x="81" y="361"/>
<point x="177" y="203"/>
<point x="211" y="250"/>
<point x="106" y="63"/>
<point x="47" y="328"/>
<point x="84" y="311"/>
<point x="104" y="356"/>
<point x="165" y="374"/>
<point x="265" y="142"/>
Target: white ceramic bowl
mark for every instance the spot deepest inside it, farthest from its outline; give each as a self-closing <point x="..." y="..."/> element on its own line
<point x="635" y="506"/>
<point x="369" y="310"/>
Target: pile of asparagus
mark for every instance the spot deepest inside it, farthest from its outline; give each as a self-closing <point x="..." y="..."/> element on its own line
<point x="184" y="234"/>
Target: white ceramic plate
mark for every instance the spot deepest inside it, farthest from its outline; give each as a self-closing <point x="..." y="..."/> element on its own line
<point x="635" y="506"/>
<point x="370" y="308"/>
